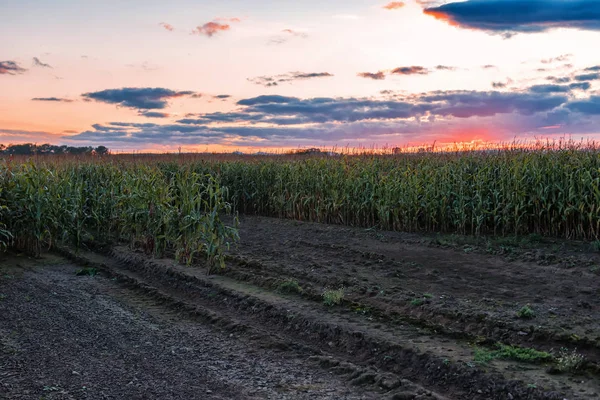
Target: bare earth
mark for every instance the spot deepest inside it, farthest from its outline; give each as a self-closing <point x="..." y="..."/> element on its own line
<point x="412" y="318"/>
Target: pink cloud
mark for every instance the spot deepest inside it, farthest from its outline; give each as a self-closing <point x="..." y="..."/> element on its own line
<point x="394" y="5"/>
<point x="211" y="28"/>
<point x="168" y="27"/>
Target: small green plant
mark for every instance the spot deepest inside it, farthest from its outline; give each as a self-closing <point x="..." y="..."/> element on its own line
<point x="87" y="272"/>
<point x="333" y="297"/>
<point x="505" y="352"/>
<point x="417" y="302"/>
<point x="569" y="361"/>
<point x="289" y="286"/>
<point x="526" y="312"/>
<point x="428" y="296"/>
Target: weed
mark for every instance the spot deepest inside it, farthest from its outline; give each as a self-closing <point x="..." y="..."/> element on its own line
<point x="526" y="312"/>
<point x="428" y="296"/>
<point x="87" y="272"/>
<point x="569" y="361"/>
<point x="417" y="302"/>
<point x="333" y="297"/>
<point x="361" y="309"/>
<point x="505" y="352"/>
<point x="289" y="286"/>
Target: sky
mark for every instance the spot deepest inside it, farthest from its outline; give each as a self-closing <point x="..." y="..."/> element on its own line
<point x="249" y="75"/>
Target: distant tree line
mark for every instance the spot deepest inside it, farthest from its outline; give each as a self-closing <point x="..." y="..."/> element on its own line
<point x="29" y="149"/>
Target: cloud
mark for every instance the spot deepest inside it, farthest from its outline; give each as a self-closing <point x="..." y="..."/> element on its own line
<point x="413" y="70"/>
<point x="587" y="77"/>
<point x="562" y="79"/>
<point x="394" y="5"/>
<point x="137" y="98"/>
<point x="460" y="104"/>
<point x="287" y="35"/>
<point x="498" y="85"/>
<point x="10" y="68"/>
<point x="154" y="114"/>
<point x="378" y="76"/>
<point x="595" y="68"/>
<point x="275" y="120"/>
<point x="270" y="81"/>
<point x="209" y="29"/>
<point x="445" y="68"/>
<point x="168" y="27"/>
<point x="52" y="99"/>
<point x="295" y="33"/>
<point x="488" y="66"/>
<point x="38" y="63"/>
<point x="590" y="106"/>
<point x="508" y="17"/>
<point x="559" y="88"/>
<point x="561" y="58"/>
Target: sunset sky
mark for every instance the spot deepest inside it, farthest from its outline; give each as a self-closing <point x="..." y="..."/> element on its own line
<point x="257" y="75"/>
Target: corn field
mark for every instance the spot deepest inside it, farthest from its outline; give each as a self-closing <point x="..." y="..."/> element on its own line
<point x="171" y="203"/>
<point x="551" y="193"/>
<point x="157" y="208"/>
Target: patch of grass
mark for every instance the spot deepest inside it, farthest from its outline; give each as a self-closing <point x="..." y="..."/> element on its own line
<point x="569" y="361"/>
<point x="417" y="302"/>
<point x="289" y="286"/>
<point x="515" y="353"/>
<point x="87" y="272"/>
<point x="361" y="309"/>
<point x="333" y="297"/>
<point x="428" y="296"/>
<point x="526" y="312"/>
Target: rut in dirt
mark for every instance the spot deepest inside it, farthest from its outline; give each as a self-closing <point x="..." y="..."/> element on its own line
<point x="335" y="338"/>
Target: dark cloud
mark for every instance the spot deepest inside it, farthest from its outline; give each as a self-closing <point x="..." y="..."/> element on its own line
<point x="562" y="79"/>
<point x="273" y="120"/>
<point x="38" y="63"/>
<point x="154" y="114"/>
<point x="559" y="88"/>
<point x="508" y="17"/>
<point x="590" y="106"/>
<point x="580" y="86"/>
<point x="378" y="76"/>
<point x="595" y="68"/>
<point x="269" y="81"/>
<point x="488" y="66"/>
<point x="137" y="98"/>
<point x="222" y="96"/>
<point x="445" y="68"/>
<point x="587" y="77"/>
<point x="459" y="104"/>
<point x="266" y="99"/>
<point x="498" y="85"/>
<point x="413" y="70"/>
<point x="10" y="68"/>
<point x="52" y="99"/>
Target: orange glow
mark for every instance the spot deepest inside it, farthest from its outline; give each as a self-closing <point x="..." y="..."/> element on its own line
<point x="441" y="16"/>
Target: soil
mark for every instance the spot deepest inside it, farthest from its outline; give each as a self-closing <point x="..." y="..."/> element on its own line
<point x="413" y="318"/>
